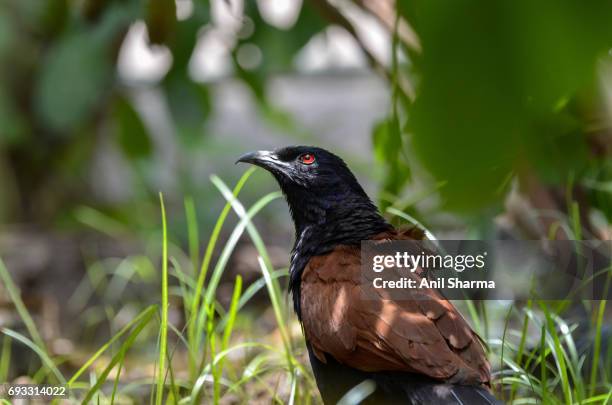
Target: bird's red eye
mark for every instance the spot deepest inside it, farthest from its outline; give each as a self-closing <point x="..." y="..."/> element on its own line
<point x="307" y="158"/>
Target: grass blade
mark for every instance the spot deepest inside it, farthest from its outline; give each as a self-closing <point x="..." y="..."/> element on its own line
<point x="144" y="314"/>
<point x="163" y="341"/>
<point x="597" y="344"/>
<point x="543" y="366"/>
<point x="116" y="383"/>
<point x="117" y="357"/>
<point x="15" y="296"/>
<point x="251" y="291"/>
<point x="192" y="233"/>
<point x="226" y="253"/>
<point x="358" y="393"/>
<point x="202" y="378"/>
<point x="44" y="357"/>
<point x="558" y="354"/>
<point x="5" y="359"/>
<point x="292" y="362"/>
<point x="227" y="333"/>
<point x="276" y="306"/>
<point x="195" y="329"/>
<point x="428" y="234"/>
<point x="273" y="287"/>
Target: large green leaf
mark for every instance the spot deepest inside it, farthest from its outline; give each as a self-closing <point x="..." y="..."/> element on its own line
<point x="78" y="70"/>
<point x="132" y="133"/>
<point x="494" y="76"/>
<point x="74" y="77"/>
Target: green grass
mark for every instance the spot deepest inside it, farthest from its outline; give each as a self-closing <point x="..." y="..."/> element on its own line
<point x="163" y="332"/>
<point x="546" y="366"/>
<point x="223" y="352"/>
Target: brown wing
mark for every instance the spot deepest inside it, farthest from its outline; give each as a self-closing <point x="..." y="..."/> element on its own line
<point x="426" y="336"/>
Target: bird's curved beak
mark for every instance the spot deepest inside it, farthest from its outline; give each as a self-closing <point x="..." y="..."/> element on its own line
<point x="261" y="158"/>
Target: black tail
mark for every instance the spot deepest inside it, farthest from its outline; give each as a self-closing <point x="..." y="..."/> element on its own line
<point x="335" y="380"/>
<point x="447" y="394"/>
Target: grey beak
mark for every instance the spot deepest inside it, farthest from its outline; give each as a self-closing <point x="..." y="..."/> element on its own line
<point x="261" y="158"/>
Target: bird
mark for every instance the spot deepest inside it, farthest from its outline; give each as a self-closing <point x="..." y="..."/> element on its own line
<point x="414" y="351"/>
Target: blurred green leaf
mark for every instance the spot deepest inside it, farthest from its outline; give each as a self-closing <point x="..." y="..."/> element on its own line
<point x="160" y="20"/>
<point x="30" y="13"/>
<point x="54" y="17"/>
<point x="599" y="186"/>
<point x="186" y="36"/>
<point x="13" y="126"/>
<point x="91" y="9"/>
<point x="493" y="77"/>
<point x="77" y="72"/>
<point x="132" y="133"/>
<point x="189" y="101"/>
<point x="189" y="104"/>
<point x="74" y="77"/>
<point x="387" y="140"/>
<point x="8" y="32"/>
<point x="556" y="148"/>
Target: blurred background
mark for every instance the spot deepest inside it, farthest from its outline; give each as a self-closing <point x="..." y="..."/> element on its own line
<point x="479" y="119"/>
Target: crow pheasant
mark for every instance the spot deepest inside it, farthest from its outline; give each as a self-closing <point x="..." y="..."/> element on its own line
<point x="415" y="351"/>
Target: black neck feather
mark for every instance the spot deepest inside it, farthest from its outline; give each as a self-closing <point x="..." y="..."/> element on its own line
<point x="346" y="218"/>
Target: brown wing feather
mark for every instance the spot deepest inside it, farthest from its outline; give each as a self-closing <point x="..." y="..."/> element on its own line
<point x="426" y="336"/>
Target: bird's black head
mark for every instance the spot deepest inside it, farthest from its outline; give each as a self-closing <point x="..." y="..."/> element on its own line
<point x="306" y="169"/>
<point x="324" y="197"/>
<point x="318" y="185"/>
<point x="327" y="204"/>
